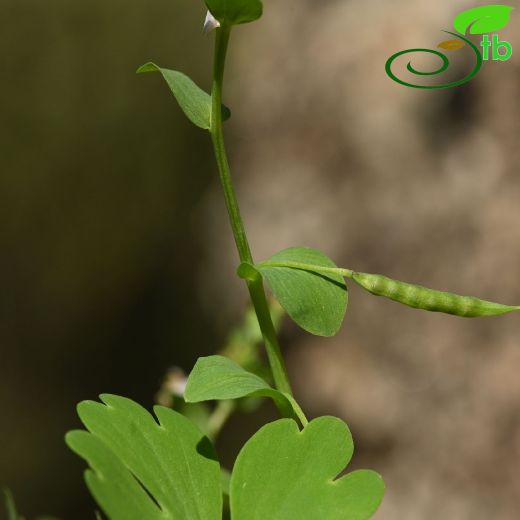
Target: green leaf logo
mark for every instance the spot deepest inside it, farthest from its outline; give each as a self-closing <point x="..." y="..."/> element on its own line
<point x="484" y="19"/>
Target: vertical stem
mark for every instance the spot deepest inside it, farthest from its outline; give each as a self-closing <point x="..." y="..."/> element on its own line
<point x="256" y="288"/>
<point x="257" y="294"/>
<point x="217" y="134"/>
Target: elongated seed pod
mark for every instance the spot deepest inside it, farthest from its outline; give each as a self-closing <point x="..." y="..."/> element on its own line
<point x="420" y="297"/>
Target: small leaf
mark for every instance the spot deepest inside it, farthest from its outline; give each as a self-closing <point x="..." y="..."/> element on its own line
<point x="451" y="45"/>
<point x="483" y="19"/>
<point x="194" y="102"/>
<point x="144" y="470"/>
<point x="286" y="474"/>
<point x="316" y="302"/>
<point x="220" y="378"/>
<point x="232" y="12"/>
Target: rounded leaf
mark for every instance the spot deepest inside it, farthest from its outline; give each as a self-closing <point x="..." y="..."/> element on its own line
<point x="283" y="473"/>
<point x="317" y="302"/>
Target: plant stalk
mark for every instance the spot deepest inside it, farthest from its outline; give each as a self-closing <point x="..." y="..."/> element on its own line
<point x="256" y="288"/>
<point x="219" y="417"/>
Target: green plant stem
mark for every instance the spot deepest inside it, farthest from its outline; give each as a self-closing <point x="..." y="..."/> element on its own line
<point x="256" y="288"/>
<point x="219" y="417"/>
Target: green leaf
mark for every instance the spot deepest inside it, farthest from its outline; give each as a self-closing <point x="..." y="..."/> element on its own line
<point x="220" y="378"/>
<point x="144" y="470"/>
<point x="483" y="19"/>
<point x="286" y="474"/>
<point x="317" y="302"/>
<point x="232" y="12"/>
<point x="194" y="102"/>
<point x="10" y="506"/>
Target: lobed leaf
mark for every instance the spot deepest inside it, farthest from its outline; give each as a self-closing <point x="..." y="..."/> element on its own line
<point x="483" y="19"/>
<point x="141" y="469"/>
<point x="283" y="473"/>
<point x="219" y="378"/>
<point x="317" y="302"/>
<point x="194" y="102"/>
<point x="233" y="12"/>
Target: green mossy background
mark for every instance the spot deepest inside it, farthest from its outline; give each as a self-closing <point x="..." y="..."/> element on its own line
<point x="116" y="260"/>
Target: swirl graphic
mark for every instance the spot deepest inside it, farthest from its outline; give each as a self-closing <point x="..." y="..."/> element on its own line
<point x="442" y="68"/>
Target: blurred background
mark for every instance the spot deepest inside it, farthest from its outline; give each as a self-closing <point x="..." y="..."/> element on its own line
<point x="116" y="260"/>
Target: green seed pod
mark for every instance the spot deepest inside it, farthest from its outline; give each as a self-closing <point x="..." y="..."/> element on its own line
<point x="428" y="299"/>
